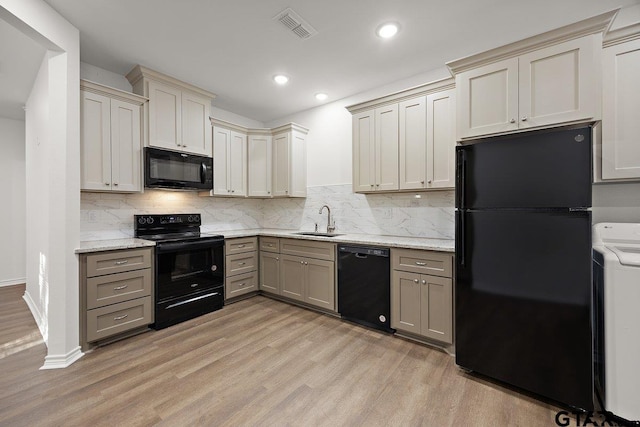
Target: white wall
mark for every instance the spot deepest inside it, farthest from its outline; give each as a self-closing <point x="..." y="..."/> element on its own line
<point x="105" y="77"/>
<point x="619" y="202"/>
<point x="53" y="199"/>
<point x="329" y="141"/>
<point x="12" y="194"/>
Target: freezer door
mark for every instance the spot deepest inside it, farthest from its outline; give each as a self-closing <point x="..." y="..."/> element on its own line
<point x="543" y="169"/>
<point x="523" y="301"/>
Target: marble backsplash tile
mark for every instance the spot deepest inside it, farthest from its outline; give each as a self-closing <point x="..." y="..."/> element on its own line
<point x="110" y="216"/>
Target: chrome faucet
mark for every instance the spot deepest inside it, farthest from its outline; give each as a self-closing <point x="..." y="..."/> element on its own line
<point x="331" y="227"/>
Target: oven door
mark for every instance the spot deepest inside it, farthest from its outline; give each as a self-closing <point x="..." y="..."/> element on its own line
<point x="184" y="268"/>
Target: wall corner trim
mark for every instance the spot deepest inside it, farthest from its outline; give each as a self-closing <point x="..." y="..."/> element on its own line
<point x="62" y="361"/>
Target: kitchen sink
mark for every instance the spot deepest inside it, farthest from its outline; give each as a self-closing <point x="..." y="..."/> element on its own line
<point x="317" y="233"/>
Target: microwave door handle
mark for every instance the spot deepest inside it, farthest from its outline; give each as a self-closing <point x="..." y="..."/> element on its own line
<point x="203" y="172"/>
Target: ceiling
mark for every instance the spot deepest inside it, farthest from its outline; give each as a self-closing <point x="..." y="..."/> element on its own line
<point x="234" y="48"/>
<point x="20" y="59"/>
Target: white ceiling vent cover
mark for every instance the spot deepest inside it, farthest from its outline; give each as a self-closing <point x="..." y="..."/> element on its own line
<point x="295" y="24"/>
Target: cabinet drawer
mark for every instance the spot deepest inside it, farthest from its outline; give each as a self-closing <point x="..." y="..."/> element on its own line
<point x="311" y="249"/>
<point x="117" y="318"/>
<point x="241" y="284"/>
<point x="118" y="262"/>
<point x="119" y="287"/>
<point x="241" y="263"/>
<point x="270" y="244"/>
<point x="424" y="262"/>
<point x="244" y="244"/>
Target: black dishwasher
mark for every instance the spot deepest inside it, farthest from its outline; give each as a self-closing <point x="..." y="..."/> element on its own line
<point x="364" y="294"/>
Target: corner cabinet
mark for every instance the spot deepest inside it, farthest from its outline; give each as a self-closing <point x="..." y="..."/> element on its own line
<point x="110" y="139"/>
<point x="543" y="81"/>
<point x="289" y="161"/>
<point x="620" y="156"/>
<point x="405" y="141"/>
<point x="177" y="116"/>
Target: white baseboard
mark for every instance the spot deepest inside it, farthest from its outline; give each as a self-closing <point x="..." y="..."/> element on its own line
<point x="62" y="360"/>
<point x="11" y="282"/>
<point x="37" y="316"/>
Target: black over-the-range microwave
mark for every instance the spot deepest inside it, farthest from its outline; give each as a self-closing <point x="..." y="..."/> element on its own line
<point x="178" y="171"/>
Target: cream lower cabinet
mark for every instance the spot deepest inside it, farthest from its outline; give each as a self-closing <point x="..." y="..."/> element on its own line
<point x="116" y="294"/>
<point x="553" y="82"/>
<point x="110" y="139"/>
<point x="621" y="106"/>
<point x="308" y="273"/>
<point x="422" y="304"/>
<point x="270" y="265"/>
<point x="229" y="162"/>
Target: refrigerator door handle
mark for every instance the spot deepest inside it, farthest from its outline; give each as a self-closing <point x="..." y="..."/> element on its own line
<point x="460" y="238"/>
<point x="461" y="178"/>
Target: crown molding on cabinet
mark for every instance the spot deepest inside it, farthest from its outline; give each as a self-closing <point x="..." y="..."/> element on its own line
<point x="258" y="131"/>
<point x="593" y="25"/>
<point x="140" y="72"/>
<point x="118" y="94"/>
<point x="622" y="35"/>
<point x="425" y="89"/>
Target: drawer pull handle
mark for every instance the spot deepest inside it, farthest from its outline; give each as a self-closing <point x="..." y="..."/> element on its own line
<point x="194" y="285"/>
<point x="241" y="263"/>
<point x="124" y="261"/>
<point x="241" y="284"/>
<point x="421" y="263"/>
<point x="270" y="245"/>
<point x="241" y="246"/>
<point x="124" y="316"/>
<point x="119" y="288"/>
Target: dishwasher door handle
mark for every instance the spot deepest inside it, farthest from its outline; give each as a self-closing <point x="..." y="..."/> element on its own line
<point x="363" y="256"/>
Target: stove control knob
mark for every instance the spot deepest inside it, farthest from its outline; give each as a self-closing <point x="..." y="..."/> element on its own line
<point x="142" y="220"/>
<point x="150" y="220"/>
<point x="190" y="219"/>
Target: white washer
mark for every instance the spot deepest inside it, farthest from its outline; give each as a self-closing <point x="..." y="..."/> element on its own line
<point x="619" y="247"/>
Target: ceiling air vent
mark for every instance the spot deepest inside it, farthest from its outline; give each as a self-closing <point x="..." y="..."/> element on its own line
<point x="295" y="24"/>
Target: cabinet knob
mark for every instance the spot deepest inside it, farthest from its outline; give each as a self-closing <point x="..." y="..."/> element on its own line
<point x="524" y="119"/>
<point x="306" y="263"/>
<point x="268" y="192"/>
<point x="115" y="183"/>
<point x="302" y="262"/>
<point x="422" y="182"/>
<point x="277" y="258"/>
<point x="512" y="121"/>
<point x="106" y="183"/>
<point x="415" y="280"/>
<point x="424" y="282"/>
<point x="429" y="182"/>
<point x="233" y="191"/>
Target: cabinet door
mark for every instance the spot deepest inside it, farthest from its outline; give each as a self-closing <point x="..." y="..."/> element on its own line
<point x="95" y="134"/>
<point x="125" y="146"/>
<point x="320" y="283"/>
<point x="364" y="156"/>
<point x="436" y="305"/>
<point x="281" y="162"/>
<point x="560" y="83"/>
<point x="270" y="272"/>
<point x="292" y="277"/>
<point x="413" y="147"/>
<point x="405" y="301"/>
<point x="221" y="146"/>
<point x="165" y="116"/>
<point x="487" y="99"/>
<point x="237" y="164"/>
<point x="259" y="166"/>
<point x="621" y="111"/>
<point x="441" y="139"/>
<point x="386" y="137"/>
<point x="196" y="127"/>
<point x="298" y="167"/>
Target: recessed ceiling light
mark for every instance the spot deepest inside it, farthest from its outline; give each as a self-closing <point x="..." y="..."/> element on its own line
<point x="281" y="79"/>
<point x="321" y="96"/>
<point x="387" y="30"/>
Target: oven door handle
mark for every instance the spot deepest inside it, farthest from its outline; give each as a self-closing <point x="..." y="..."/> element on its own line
<point x="192" y="300"/>
<point x="191" y="245"/>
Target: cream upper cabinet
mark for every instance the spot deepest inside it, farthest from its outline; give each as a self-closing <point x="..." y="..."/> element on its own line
<point x="547" y="80"/>
<point x="259" y="154"/>
<point x="375" y="149"/>
<point x="621" y="106"/>
<point x="229" y="162"/>
<point x="441" y="139"/>
<point x="405" y="145"/>
<point x="111" y="139"/>
<point x="412" y="116"/>
<point x="178" y="113"/>
<point x="488" y="99"/>
<point x="289" y="167"/>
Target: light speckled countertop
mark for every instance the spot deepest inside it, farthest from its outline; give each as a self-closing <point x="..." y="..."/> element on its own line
<point x="112" y="245"/>
<point x="443" y="245"/>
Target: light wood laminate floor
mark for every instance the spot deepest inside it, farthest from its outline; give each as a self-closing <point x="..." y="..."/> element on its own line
<point x="256" y="362"/>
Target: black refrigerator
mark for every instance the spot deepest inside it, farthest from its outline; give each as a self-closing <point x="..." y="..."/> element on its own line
<point x="523" y="262"/>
